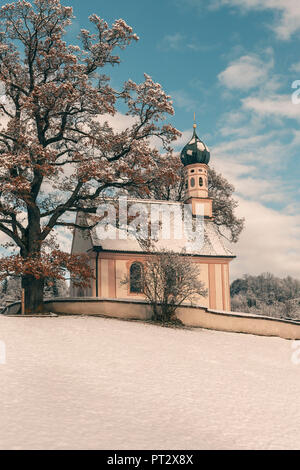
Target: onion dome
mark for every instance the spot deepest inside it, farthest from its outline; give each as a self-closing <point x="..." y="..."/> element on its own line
<point x="195" y="151"/>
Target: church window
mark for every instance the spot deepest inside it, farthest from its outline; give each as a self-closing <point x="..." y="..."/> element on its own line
<point x="192" y="182"/>
<point x="136" y="278"/>
<point x="200" y="181"/>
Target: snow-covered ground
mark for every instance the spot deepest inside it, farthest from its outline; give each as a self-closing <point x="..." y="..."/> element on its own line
<point x="95" y="383"/>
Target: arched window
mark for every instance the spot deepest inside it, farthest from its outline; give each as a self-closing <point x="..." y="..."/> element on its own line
<point x="200" y="181"/>
<point x="136" y="278"/>
<point x="192" y="182"/>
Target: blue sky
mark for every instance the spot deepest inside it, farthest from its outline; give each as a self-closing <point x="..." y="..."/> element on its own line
<point x="233" y="63"/>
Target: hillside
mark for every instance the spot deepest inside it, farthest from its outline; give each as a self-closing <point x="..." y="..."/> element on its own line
<point x="97" y="383"/>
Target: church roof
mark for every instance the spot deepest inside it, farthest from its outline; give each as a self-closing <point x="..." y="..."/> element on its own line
<point x="212" y="244"/>
<point x="195" y="151"/>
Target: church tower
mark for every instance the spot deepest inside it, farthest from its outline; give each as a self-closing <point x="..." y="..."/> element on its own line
<point x="195" y="157"/>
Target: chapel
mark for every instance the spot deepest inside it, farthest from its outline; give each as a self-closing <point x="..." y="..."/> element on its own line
<point x="118" y="257"/>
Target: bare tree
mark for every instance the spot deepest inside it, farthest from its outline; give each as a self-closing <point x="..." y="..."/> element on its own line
<point x="168" y="280"/>
<point x="58" y="153"/>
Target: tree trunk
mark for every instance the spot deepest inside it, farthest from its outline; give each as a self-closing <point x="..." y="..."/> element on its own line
<point x="34" y="293"/>
<point x="34" y="288"/>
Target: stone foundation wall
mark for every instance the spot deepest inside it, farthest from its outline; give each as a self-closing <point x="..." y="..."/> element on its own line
<point x="190" y="316"/>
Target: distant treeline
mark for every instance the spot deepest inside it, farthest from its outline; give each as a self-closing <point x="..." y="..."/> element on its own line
<point x="266" y="295"/>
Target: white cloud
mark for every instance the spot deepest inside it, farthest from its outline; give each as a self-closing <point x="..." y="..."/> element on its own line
<point x="247" y="72"/>
<point x="63" y="237"/>
<point x="3" y="121"/>
<point x="253" y="162"/>
<point x="181" y="42"/>
<point x="119" y="122"/>
<point x="172" y="41"/>
<point x="250" y="182"/>
<point x="183" y="140"/>
<point x="274" y="105"/>
<point x="254" y="165"/>
<point x="286" y="12"/>
<point x="183" y="100"/>
<point x="287" y="20"/>
<point x="295" y="67"/>
<point x="3" y="240"/>
<point x="270" y="242"/>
